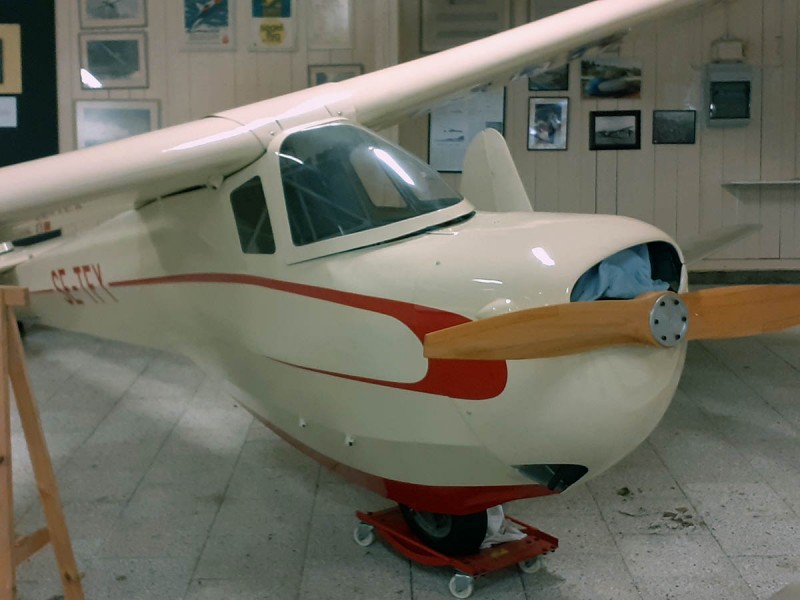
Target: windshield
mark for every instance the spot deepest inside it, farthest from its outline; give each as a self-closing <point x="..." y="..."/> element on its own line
<point x="339" y="179"/>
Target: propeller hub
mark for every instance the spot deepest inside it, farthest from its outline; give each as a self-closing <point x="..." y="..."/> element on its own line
<point x="669" y="320"/>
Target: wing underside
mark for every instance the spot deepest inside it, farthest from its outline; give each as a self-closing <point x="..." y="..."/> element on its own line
<point x="139" y="169"/>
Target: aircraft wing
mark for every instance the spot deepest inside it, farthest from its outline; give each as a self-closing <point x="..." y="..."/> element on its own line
<point x="383" y="98"/>
<point x="139" y="169"/>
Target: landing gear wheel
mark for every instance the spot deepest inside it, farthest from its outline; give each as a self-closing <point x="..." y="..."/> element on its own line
<point x="453" y="535"/>
<point x="364" y="534"/>
<point x="461" y="585"/>
<point x="532" y="565"/>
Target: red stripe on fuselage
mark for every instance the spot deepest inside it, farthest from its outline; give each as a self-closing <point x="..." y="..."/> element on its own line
<point x="466" y="380"/>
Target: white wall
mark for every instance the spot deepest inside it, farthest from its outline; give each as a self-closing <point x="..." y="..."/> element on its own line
<point x="679" y="188"/>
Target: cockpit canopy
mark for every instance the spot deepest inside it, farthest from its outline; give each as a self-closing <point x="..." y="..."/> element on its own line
<point x="340" y="179"/>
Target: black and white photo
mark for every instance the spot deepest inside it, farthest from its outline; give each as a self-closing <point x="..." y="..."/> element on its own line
<point x="615" y="130"/>
<point x="113" y="13"/>
<point x="101" y="121"/>
<point x="113" y="60"/>
<point x="319" y="74"/>
<point x="551" y="80"/>
<point x="674" y="126"/>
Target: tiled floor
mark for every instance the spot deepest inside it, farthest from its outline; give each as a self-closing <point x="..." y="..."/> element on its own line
<point x="171" y="491"/>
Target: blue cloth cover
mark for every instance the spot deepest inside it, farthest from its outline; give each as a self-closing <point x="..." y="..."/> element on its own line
<point x="623" y="275"/>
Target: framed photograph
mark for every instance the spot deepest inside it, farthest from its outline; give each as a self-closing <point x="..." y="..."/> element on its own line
<point x="330" y="25"/>
<point x="207" y="25"/>
<point x="611" y="77"/>
<point x="615" y="130"/>
<point x="319" y="74"/>
<point x="548" y="120"/>
<point x="273" y="25"/>
<point x="113" y="60"/>
<point x="101" y="121"/>
<point x="551" y="80"/>
<point x="10" y="59"/>
<point x="674" y="126"/>
<point x="452" y="126"/>
<point x="113" y="13"/>
<point x="446" y="23"/>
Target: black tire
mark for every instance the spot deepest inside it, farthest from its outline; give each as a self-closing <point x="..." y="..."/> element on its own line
<point x="453" y="535"/>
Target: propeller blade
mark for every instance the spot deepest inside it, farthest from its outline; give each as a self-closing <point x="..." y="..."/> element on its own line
<point x="738" y="311"/>
<point x="652" y="319"/>
<point x="546" y="331"/>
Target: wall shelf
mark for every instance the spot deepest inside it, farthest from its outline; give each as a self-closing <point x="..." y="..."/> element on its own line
<point x="773" y="183"/>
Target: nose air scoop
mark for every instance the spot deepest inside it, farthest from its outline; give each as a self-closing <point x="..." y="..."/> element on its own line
<point x="669" y="320"/>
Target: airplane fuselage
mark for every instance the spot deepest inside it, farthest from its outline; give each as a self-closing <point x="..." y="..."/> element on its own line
<point x="327" y="349"/>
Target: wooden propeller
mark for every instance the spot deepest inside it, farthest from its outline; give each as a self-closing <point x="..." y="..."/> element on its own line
<point x="652" y="319"/>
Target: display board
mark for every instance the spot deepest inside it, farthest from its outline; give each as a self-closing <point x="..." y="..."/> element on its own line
<point x="28" y="112"/>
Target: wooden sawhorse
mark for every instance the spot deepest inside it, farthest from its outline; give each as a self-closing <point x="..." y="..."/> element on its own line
<point x="15" y="550"/>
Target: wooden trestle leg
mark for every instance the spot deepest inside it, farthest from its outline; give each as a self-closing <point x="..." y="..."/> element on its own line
<point x="15" y="550"/>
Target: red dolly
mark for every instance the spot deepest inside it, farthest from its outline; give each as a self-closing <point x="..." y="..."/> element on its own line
<point x="526" y="553"/>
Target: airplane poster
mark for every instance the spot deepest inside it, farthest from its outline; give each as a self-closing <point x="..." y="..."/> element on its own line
<point x="207" y="24"/>
<point x="454" y="124"/>
<point x="273" y="25"/>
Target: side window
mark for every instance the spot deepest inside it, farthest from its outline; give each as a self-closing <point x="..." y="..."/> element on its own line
<point x="252" y="219"/>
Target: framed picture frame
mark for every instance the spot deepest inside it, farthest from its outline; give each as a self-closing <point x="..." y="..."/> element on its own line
<point x="10" y="59"/>
<point x="208" y="26"/>
<point x="452" y="126"/>
<point x="445" y="24"/>
<point x="674" y="126"/>
<point x="330" y="25"/>
<point x="319" y="74"/>
<point x="101" y="121"/>
<point x="548" y="123"/>
<point x="113" y="60"/>
<point x="105" y="14"/>
<point x="551" y="80"/>
<point x="615" y="130"/>
<point x="272" y="25"/>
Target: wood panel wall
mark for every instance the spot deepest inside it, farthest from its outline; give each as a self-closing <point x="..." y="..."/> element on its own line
<point x="678" y="188"/>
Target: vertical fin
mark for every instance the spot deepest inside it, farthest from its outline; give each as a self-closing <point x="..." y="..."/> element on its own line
<point x="490" y="180"/>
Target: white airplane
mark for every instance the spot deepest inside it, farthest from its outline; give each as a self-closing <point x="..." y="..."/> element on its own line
<point x="446" y="358"/>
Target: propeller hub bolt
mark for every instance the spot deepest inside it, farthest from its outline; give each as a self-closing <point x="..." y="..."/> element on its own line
<point x="669" y="320"/>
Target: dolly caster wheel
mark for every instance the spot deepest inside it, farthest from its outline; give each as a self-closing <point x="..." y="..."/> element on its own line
<point x="461" y="585"/>
<point x="531" y="565"/>
<point x="364" y="534"/>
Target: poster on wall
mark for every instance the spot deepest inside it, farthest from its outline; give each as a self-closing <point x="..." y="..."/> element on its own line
<point x="446" y="24"/>
<point x="331" y="25"/>
<point x="208" y="25"/>
<point x="273" y="25"/>
<point x="10" y="59"/>
<point x="453" y="125"/>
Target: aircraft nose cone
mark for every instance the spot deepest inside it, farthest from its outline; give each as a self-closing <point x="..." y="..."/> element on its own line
<point x="669" y="320"/>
